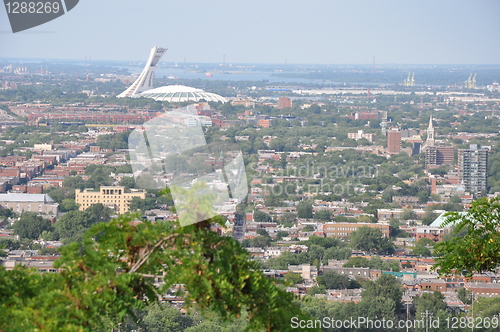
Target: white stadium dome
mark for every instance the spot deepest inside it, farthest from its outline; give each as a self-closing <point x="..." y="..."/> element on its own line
<point x="180" y="93"/>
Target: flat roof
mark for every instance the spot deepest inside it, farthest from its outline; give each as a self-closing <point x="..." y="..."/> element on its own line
<point x="15" y="197"/>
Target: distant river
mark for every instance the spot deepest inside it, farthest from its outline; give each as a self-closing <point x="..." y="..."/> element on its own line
<point x="230" y="75"/>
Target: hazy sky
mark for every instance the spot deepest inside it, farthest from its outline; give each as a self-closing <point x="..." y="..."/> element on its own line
<point x="270" y="31"/>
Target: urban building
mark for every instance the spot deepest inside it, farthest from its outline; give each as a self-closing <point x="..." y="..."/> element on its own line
<point x="393" y="142"/>
<point x="344" y="229"/>
<point x="284" y="102"/>
<point x="473" y="169"/>
<point x="266" y="123"/>
<point x="436" y="153"/>
<point x="433" y="233"/>
<point x="439" y="155"/>
<point x="113" y="197"/>
<point x="19" y="203"/>
<point x="361" y="134"/>
<point x="415" y="148"/>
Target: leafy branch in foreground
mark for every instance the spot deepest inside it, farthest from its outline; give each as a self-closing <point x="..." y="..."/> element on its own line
<point x="478" y="250"/>
<point x="111" y="273"/>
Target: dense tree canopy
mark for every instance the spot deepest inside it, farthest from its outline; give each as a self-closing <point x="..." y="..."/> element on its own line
<point x="334" y="280"/>
<point x="370" y="240"/>
<point x="109" y="274"/>
<point x="31" y="225"/>
<point x="73" y="225"/>
<point x="476" y="251"/>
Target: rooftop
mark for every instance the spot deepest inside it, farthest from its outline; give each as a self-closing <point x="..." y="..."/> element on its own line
<point x="14" y="197"/>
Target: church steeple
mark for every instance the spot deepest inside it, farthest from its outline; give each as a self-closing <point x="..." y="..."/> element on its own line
<point x="430" y="133"/>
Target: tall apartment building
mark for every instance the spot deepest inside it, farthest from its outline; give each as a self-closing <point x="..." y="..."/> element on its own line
<point x="393" y="142"/>
<point x="439" y="155"/>
<point x="284" y="102"/>
<point x="473" y="169"/>
<point x="113" y="197"/>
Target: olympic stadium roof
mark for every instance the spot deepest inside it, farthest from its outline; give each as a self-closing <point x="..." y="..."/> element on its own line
<point x="180" y="93"/>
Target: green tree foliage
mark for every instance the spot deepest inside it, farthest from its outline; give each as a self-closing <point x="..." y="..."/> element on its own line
<point x="159" y="318"/>
<point x="293" y="278"/>
<point x="304" y="209"/>
<point x="316" y="289"/>
<point x="99" y="176"/>
<point x="477" y="251"/>
<point x="288" y="218"/>
<point x="262" y="232"/>
<point x="128" y="182"/>
<point x="323" y="215"/>
<point x="431" y="304"/>
<point x="10" y="244"/>
<point x="370" y="240"/>
<point x="308" y="228"/>
<point x="73" y="225"/>
<point x="396" y="231"/>
<point x="262" y="241"/>
<point x="336" y="253"/>
<point x="6" y="213"/>
<point x="127" y="168"/>
<point x="420" y="250"/>
<point x="373" y="263"/>
<point x="30" y="225"/>
<point x="386" y="286"/>
<point x="99" y="213"/>
<point x="379" y="301"/>
<point x="357" y="261"/>
<point x="487" y="307"/>
<point x="142" y="204"/>
<point x="117" y="141"/>
<point x="334" y="280"/>
<point x="325" y="242"/>
<point x="280" y="235"/>
<point x="425" y="242"/>
<point x="408" y="214"/>
<point x="60" y="194"/>
<point x="74" y="182"/>
<point x="319" y="308"/>
<point x="261" y="216"/>
<point x="464" y="295"/>
<point x="68" y="204"/>
<point x="281" y="263"/>
<point x="109" y="274"/>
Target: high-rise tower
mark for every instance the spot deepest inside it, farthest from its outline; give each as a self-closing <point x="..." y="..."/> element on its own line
<point x="473" y="169"/>
<point x="393" y="142"/>
<point x="145" y="80"/>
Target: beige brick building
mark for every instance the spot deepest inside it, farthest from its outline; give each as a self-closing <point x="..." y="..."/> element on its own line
<point x="19" y="203"/>
<point x="344" y="229"/>
<point x="113" y="197"/>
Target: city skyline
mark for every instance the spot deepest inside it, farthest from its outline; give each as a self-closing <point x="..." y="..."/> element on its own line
<point x="324" y="32"/>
